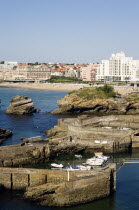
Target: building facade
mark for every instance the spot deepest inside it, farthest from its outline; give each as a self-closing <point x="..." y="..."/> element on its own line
<point x="118" y="68"/>
<point x="88" y="72"/>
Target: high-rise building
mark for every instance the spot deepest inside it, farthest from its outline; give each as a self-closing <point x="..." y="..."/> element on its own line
<point x="118" y="68"/>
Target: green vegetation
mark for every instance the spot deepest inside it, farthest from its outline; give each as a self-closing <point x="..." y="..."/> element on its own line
<point x="103" y="92"/>
<point x="62" y="79"/>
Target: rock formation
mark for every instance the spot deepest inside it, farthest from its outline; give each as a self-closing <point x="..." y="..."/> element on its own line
<point x="76" y="102"/>
<point x="29" y="152"/>
<point x="20" y="105"/>
<point x="4" y="134"/>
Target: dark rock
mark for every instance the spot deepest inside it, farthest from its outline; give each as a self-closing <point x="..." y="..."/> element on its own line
<point x="4" y="134"/>
<point x="37" y="110"/>
<point x="20" y="105"/>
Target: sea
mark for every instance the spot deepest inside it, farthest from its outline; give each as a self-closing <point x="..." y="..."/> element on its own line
<point x="126" y="196"/>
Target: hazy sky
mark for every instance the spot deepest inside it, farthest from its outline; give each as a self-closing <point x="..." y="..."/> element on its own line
<point x="79" y="31"/>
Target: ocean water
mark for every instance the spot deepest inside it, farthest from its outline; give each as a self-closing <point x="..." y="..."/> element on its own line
<point x="29" y="125"/>
<point x="125" y="198"/>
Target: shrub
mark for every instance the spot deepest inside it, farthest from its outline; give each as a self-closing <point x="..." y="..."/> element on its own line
<point x="108" y="91"/>
<point x="100" y="92"/>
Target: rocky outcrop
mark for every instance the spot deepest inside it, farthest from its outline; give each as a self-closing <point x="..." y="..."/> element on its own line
<point x="74" y="103"/>
<point x="20" y="105"/>
<point x="57" y="131"/>
<point x="29" y="152"/>
<point x="4" y="134"/>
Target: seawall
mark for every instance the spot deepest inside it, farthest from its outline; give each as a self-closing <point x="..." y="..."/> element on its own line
<point x="51" y="187"/>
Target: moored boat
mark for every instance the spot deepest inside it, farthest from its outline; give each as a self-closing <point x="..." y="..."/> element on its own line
<point x="55" y="165"/>
<point x="94" y="162"/>
<point x="84" y="168"/>
<point x="78" y="156"/>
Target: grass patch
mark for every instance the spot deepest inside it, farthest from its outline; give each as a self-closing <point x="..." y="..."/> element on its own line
<point x="97" y="93"/>
<point x="63" y="79"/>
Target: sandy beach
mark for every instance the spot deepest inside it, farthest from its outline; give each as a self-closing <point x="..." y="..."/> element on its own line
<point x="65" y="87"/>
<point x="46" y="86"/>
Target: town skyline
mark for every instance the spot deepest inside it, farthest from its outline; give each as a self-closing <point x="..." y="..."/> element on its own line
<point x="118" y="67"/>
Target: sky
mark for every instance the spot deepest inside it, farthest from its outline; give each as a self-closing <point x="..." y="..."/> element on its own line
<point x="68" y="31"/>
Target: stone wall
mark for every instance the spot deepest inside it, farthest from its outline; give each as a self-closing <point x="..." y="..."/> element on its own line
<point x="82" y="189"/>
<point x="117" y="130"/>
<point x="20" y="178"/>
<point x="86" y="190"/>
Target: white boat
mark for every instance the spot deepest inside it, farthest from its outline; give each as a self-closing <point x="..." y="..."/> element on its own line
<point x="78" y="156"/>
<point x="84" y="168"/>
<point x="55" y="165"/>
<point x="95" y="161"/>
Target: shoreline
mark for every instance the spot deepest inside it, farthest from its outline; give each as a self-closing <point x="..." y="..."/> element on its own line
<point x="46" y="86"/>
<point x="123" y="90"/>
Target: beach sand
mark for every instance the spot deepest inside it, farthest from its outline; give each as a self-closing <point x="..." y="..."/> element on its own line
<point x="46" y="86"/>
<point x="65" y="87"/>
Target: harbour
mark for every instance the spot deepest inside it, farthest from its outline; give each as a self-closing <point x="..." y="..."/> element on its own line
<point x="119" y="174"/>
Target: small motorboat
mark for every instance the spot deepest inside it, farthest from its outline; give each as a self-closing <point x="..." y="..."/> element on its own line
<point x="84" y="168"/>
<point x="55" y="165"/>
<point x="94" y="161"/>
<point x="78" y="156"/>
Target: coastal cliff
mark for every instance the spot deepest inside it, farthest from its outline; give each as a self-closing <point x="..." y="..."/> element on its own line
<point x="101" y="100"/>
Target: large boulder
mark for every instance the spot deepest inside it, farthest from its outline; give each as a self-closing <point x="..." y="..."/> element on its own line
<point x="20" y="105"/>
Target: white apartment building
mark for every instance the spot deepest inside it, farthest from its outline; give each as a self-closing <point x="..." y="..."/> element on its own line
<point x="102" y="70"/>
<point x="136" y="70"/>
<point x="118" y="68"/>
